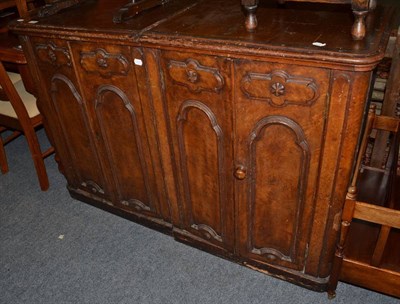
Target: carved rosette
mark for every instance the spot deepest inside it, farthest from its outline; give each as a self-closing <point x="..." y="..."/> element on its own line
<point x="280" y="88"/>
<point x="51" y="53"/>
<point x="104" y="63"/>
<point x="195" y="77"/>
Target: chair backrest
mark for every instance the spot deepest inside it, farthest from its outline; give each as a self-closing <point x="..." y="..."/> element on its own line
<point x="23" y="6"/>
<point x="376" y="214"/>
<point x="23" y="119"/>
<point x="388" y="164"/>
<point x="372" y="213"/>
<point x="377" y="211"/>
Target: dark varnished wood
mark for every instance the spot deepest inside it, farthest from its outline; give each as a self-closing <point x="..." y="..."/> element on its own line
<point x="240" y="144"/>
<point x="281" y="34"/>
<point x="360" y="10"/>
<point x="107" y="78"/>
<point x="277" y="136"/>
<point x="200" y="124"/>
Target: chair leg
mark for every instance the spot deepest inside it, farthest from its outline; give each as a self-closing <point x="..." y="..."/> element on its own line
<point x="347" y="216"/>
<point x="37" y="157"/>
<point x="3" y="158"/>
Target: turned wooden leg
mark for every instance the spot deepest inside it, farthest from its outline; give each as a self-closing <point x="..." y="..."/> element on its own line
<point x="372" y="4"/>
<point x="347" y="216"/>
<point x="251" y="18"/>
<point x="359" y="28"/>
<point x="34" y="147"/>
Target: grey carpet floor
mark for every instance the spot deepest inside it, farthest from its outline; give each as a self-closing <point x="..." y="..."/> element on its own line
<point x="54" y="249"/>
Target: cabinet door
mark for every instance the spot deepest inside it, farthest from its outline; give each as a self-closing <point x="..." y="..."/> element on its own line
<point x="62" y="103"/>
<point x="280" y="117"/>
<point x="198" y="103"/>
<point x="109" y="84"/>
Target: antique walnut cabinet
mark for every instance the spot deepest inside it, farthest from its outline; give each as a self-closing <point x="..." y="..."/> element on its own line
<point x="238" y="143"/>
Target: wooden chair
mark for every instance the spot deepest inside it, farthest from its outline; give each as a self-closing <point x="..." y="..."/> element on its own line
<point x="36" y="8"/>
<point x="19" y="115"/>
<point x="368" y="251"/>
<point x="23" y="6"/>
<point x="49" y="7"/>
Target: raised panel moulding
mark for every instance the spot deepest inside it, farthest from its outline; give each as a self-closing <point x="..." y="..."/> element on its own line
<point x="104" y="63"/>
<point x="101" y="100"/>
<point x="93" y="186"/>
<point x="195" y="77"/>
<point x="51" y="53"/>
<point x="75" y="106"/>
<point x="280" y="89"/>
<point x="301" y="184"/>
<point x="186" y="107"/>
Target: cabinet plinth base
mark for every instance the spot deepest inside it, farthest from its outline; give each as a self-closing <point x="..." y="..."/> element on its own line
<point x="153" y="223"/>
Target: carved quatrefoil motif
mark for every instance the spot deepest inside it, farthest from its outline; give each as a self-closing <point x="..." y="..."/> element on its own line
<point x="104" y="63"/>
<point x="51" y="53"/>
<point x="280" y="88"/>
<point x="194" y="76"/>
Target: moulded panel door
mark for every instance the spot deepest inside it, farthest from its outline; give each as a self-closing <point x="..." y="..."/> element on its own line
<point x="279" y="127"/>
<point x="108" y="79"/>
<point x="198" y="103"/>
<point x="67" y="111"/>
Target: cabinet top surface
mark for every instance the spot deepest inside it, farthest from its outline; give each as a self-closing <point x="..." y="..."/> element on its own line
<point x="309" y="31"/>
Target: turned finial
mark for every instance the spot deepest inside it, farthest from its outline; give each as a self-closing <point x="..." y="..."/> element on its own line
<point x="251" y="18"/>
<point x="351" y="193"/>
<point x="359" y="28"/>
<point x="372" y="108"/>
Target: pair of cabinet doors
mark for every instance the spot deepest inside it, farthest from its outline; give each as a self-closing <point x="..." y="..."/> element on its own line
<point x="227" y="150"/>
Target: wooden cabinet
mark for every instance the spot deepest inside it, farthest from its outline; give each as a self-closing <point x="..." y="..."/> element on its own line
<point x="248" y="139"/>
<point x="240" y="144"/>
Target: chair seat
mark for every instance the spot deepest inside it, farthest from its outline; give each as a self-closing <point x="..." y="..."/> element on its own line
<point x="14" y="98"/>
<point x="14" y="77"/>
<point x="28" y="99"/>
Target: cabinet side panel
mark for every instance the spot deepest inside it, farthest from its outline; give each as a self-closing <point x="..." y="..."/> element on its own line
<point x="339" y="98"/>
<point x="351" y="131"/>
<point x="46" y="107"/>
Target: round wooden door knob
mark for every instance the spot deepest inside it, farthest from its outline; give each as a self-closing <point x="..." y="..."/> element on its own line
<point x="240" y="173"/>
